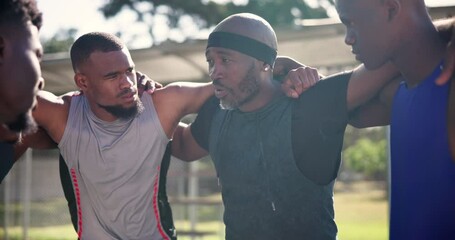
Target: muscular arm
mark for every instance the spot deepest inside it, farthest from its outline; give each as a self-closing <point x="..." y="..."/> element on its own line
<point x="370" y="95"/>
<point x="37" y="140"/>
<point x="191" y="142"/>
<point x="184" y="146"/>
<point x="179" y="99"/>
<point x="52" y="113"/>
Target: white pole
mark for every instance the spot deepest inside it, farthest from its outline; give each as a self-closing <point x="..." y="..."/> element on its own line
<point x="6" y="200"/>
<point x="27" y="182"/>
<point x="193" y="192"/>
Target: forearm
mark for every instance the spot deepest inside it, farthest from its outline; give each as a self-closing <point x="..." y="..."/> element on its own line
<point x="184" y="146"/>
<point x="374" y="113"/>
<point x="365" y="85"/>
<point x="191" y="96"/>
<point x="37" y="140"/>
<point x="378" y="110"/>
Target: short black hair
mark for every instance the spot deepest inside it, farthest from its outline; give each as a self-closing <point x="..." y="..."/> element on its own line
<point x="20" y="12"/>
<point x="93" y="42"/>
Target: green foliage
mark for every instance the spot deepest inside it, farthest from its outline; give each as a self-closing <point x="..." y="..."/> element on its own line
<point x="206" y="13"/>
<point x="277" y="12"/>
<point x="60" y="42"/>
<point x="368" y="157"/>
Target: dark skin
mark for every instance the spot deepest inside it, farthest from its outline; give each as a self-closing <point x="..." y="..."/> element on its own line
<point x="377" y="112"/>
<point x="41" y="140"/>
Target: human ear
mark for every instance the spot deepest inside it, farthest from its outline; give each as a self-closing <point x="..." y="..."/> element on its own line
<point x="393" y="8"/>
<point x="81" y="81"/>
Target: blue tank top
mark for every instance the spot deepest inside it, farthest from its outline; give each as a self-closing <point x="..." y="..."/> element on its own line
<point x="422" y="171"/>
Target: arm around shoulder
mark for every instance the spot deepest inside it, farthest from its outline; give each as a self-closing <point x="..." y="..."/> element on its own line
<point x="190" y="96"/>
<point x="37" y="140"/>
<point x="177" y="100"/>
<point x="52" y="113"/>
<point x="378" y="110"/>
<point x="184" y="146"/>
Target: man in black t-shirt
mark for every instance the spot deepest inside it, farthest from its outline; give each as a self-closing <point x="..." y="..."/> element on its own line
<point x="276" y="158"/>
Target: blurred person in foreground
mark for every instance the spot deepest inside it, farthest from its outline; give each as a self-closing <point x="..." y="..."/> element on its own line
<point x="20" y="73"/>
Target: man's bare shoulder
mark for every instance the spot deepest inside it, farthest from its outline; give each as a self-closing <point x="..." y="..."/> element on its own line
<point x="168" y="93"/>
<point x="46" y="97"/>
<point x="52" y="112"/>
<point x="48" y="102"/>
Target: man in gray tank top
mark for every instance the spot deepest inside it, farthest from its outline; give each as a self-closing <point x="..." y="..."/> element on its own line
<point x="113" y="141"/>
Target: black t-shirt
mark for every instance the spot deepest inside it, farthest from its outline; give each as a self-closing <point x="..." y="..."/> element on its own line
<point x="323" y="107"/>
<point x="6" y="159"/>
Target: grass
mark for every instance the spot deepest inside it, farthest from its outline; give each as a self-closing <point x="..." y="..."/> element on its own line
<point x="61" y="232"/>
<point x="361" y="211"/>
<point x="360" y="208"/>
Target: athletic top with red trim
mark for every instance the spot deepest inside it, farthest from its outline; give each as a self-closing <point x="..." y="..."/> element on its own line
<point x="115" y="171"/>
<point x="422" y="170"/>
<point x="277" y="165"/>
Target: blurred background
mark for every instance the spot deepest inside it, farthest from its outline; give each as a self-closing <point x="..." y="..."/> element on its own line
<point x="167" y="40"/>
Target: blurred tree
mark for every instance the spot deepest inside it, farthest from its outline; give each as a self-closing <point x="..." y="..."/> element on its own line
<point x="368" y="157"/>
<point x="60" y="42"/>
<point x="206" y="13"/>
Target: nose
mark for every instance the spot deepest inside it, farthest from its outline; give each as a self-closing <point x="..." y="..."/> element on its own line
<point x="215" y="71"/>
<point x="127" y="81"/>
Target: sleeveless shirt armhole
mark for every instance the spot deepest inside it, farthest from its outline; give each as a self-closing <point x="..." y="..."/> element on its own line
<point x="75" y="100"/>
<point x="147" y="100"/>
<point x="330" y="98"/>
<point x="200" y="128"/>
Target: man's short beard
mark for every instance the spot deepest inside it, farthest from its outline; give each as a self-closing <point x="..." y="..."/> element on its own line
<point x="125" y="113"/>
<point x="249" y="85"/>
<point x="24" y="123"/>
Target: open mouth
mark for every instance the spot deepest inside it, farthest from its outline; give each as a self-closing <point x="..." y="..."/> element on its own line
<point x="220" y="92"/>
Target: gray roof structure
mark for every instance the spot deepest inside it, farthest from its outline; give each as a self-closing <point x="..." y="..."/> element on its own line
<point x="317" y="43"/>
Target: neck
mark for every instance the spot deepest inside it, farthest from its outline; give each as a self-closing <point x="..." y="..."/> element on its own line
<point x="268" y="91"/>
<point x="100" y="112"/>
<point x="420" y="54"/>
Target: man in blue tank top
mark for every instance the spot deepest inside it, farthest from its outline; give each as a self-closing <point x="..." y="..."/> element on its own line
<point x="422" y="170"/>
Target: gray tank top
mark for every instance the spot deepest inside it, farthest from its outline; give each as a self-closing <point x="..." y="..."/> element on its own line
<point x="115" y="168"/>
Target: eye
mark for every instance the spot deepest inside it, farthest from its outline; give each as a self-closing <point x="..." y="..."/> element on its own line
<point x="210" y="62"/>
<point x="111" y="76"/>
<point x="130" y="71"/>
<point x="226" y="60"/>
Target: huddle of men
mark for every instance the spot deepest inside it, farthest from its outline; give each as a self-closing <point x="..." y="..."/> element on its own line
<point x="276" y="156"/>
